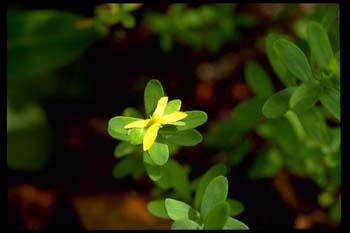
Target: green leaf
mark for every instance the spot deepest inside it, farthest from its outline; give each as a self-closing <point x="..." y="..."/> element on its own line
<point x="194" y="119"/>
<point x="278" y="104"/>
<point x="124" y="148"/>
<point x="281" y="70"/>
<point x="175" y="175"/>
<point x="127" y="166"/>
<point x="234" y="224"/>
<point x="215" y="193"/>
<point x="39" y="41"/>
<point x="319" y="44"/>
<point x="305" y="96"/>
<point x="172" y="106"/>
<point x="293" y="58"/>
<point x="247" y="113"/>
<point x="154" y="171"/>
<point x="131" y="112"/>
<point x="189" y="137"/>
<point x="159" y="153"/>
<point x="153" y="92"/>
<point x="236" y="207"/>
<point x="178" y="210"/>
<point x="330" y="99"/>
<point x="258" y="80"/>
<point x="116" y="127"/>
<point x="217" y="217"/>
<point x="185" y="224"/>
<point x="314" y="125"/>
<point x="217" y="170"/>
<point x="157" y="208"/>
<point x="136" y="135"/>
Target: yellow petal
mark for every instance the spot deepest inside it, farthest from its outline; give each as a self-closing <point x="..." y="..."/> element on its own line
<point x="138" y="124"/>
<point x="162" y="102"/>
<point x="172" y="117"/>
<point x="150" y="136"/>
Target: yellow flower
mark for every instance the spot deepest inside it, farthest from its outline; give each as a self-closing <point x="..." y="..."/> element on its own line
<point x="155" y="122"/>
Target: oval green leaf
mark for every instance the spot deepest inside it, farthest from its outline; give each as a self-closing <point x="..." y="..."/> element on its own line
<point x="159" y="153"/>
<point x="236" y="207"/>
<point x="234" y="224"/>
<point x="136" y="135"/>
<point x="215" y="193"/>
<point x="305" y="96"/>
<point x="330" y="99"/>
<point x="217" y="217"/>
<point x="319" y="44"/>
<point x="258" y="79"/>
<point x="124" y="148"/>
<point x="127" y="166"/>
<point x="185" y="224"/>
<point x="194" y="119"/>
<point x="293" y="58"/>
<point x="189" y="137"/>
<point x="281" y="70"/>
<point x="172" y="106"/>
<point x="153" y="92"/>
<point x="217" y="170"/>
<point x="178" y="210"/>
<point x="157" y="208"/>
<point x="154" y="171"/>
<point x="278" y="104"/>
<point x="116" y="127"/>
<point x="314" y="125"/>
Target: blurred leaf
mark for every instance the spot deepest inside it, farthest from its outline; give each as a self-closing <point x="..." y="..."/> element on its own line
<point x="305" y="96"/>
<point x="159" y="153"/>
<point x="238" y="152"/>
<point x="153" y="92"/>
<point x="258" y="80"/>
<point x="236" y="207"/>
<point x="319" y="44"/>
<point x="189" y="137"/>
<point x="235" y="224"/>
<point x="293" y="58"/>
<point x="278" y="66"/>
<point x="116" y="127"/>
<point x="266" y="165"/>
<point x="335" y="211"/>
<point x="131" y="6"/>
<point x="215" y="193"/>
<point x="127" y="166"/>
<point x="157" y="208"/>
<point x="124" y="148"/>
<point x="172" y="106"/>
<point x="185" y="224"/>
<point x="330" y="99"/>
<point x="217" y="217"/>
<point x="29" y="138"/>
<point x="131" y="112"/>
<point x="41" y="40"/>
<point x="314" y="125"/>
<point x="194" y="119"/>
<point x="174" y="175"/>
<point x="127" y="20"/>
<point x="178" y="210"/>
<point x="152" y="169"/>
<point x="278" y="104"/>
<point x="216" y="170"/>
<point x="247" y="113"/>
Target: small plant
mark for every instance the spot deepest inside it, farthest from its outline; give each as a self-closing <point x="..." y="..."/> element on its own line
<point x="168" y="126"/>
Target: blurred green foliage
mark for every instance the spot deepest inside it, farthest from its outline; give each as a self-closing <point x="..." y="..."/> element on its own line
<point x="208" y="26"/>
